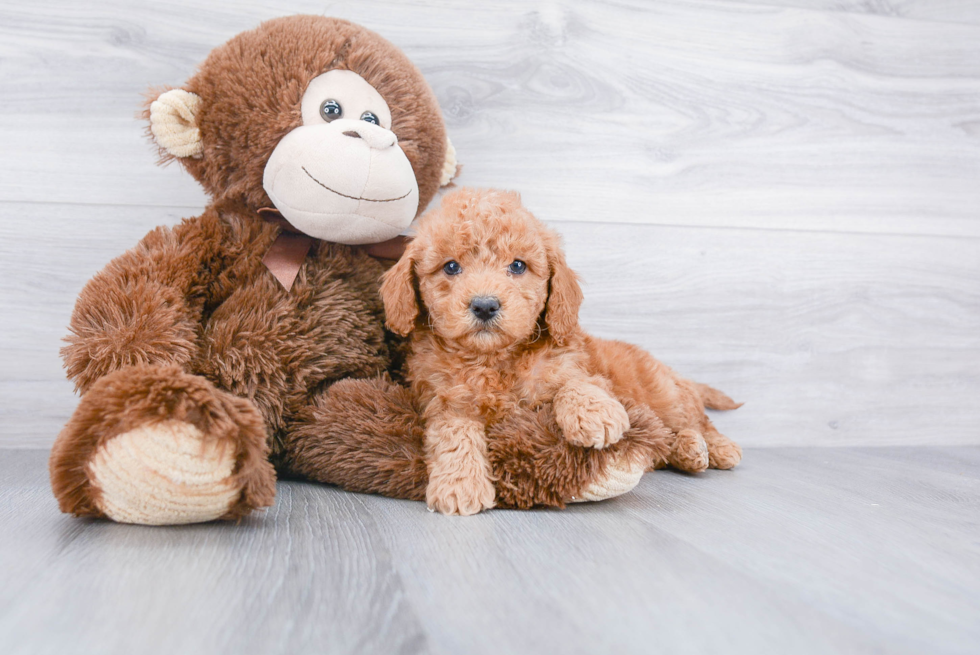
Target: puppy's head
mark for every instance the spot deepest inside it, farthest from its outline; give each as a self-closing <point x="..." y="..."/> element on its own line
<point x="487" y="272"/>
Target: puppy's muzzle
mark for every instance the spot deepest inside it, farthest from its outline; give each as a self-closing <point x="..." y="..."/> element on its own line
<point x="485" y="308"/>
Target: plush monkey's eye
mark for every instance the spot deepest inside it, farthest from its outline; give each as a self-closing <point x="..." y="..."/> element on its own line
<point x="330" y="110"/>
<point x="370" y="118"/>
<point x="452" y="268"/>
<point x="517" y="267"/>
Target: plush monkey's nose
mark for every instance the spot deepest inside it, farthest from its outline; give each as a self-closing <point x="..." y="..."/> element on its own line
<point x="377" y="137"/>
<point x="484" y="307"/>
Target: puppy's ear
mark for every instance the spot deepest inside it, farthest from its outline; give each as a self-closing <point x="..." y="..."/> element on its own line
<point x="564" y="294"/>
<point x="399" y="294"/>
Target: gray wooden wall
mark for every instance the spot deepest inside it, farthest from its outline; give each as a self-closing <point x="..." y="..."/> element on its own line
<point x="780" y="197"/>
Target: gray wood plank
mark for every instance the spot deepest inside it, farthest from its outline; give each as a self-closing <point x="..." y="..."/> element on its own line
<point x="796" y="122"/>
<point x="309" y="576"/>
<point x="693" y="113"/>
<point x="799" y="550"/>
<point x="945" y="11"/>
<point x="831" y="339"/>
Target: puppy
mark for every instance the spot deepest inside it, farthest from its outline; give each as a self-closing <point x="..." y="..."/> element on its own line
<point x="494" y="310"/>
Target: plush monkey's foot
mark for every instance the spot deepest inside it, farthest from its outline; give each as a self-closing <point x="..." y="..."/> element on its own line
<point x="689" y="452"/>
<point x="619" y="477"/>
<point x="164" y="473"/>
<point x="156" y="446"/>
<point x="588" y="416"/>
<point x="534" y="464"/>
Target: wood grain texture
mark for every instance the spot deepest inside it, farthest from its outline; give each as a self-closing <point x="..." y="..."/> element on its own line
<point x="800" y="550"/>
<point x="778" y="197"/>
<point x="693" y="113"/>
<point x="830" y="338"/>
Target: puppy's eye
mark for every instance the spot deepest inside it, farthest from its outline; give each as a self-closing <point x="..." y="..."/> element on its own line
<point x="369" y="117"/>
<point x="330" y="110"/>
<point x="517" y="267"/>
<point x="452" y="268"/>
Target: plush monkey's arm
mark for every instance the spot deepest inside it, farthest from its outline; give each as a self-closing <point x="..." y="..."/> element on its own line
<point x="142" y="308"/>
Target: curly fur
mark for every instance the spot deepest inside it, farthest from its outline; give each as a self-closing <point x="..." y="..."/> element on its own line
<point x="469" y="373"/>
<point x="189" y="326"/>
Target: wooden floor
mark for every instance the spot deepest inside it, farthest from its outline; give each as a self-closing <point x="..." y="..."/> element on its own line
<point x="777" y="197"/>
<point x="801" y="550"/>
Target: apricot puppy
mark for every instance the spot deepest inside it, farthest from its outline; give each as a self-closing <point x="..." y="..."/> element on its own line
<point x="494" y="310"/>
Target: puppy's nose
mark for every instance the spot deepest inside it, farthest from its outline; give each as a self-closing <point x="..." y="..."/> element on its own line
<point x="484" y="307"/>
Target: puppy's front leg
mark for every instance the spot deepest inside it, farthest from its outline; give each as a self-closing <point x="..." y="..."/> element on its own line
<point x="588" y="416"/>
<point x="459" y="469"/>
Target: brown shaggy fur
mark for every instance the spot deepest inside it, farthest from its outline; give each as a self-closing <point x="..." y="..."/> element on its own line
<point x="535" y="465"/>
<point x="364" y="435"/>
<point x="469" y="373"/>
<point x="367" y="436"/>
<point x="136" y="395"/>
<point x="190" y="323"/>
<point x="251" y="100"/>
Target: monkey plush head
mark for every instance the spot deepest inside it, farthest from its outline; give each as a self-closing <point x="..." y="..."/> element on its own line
<point x="320" y="118"/>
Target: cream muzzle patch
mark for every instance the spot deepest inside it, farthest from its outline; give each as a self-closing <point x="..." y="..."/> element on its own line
<point x="341" y="175"/>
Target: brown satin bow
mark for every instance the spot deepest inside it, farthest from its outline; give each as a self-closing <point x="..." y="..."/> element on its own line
<point x="288" y="252"/>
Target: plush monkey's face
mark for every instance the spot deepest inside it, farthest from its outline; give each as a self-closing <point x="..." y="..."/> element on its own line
<point x="317" y="116"/>
<point x="341" y="175"/>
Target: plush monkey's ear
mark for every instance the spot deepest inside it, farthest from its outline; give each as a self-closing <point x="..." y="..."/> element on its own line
<point x="173" y="123"/>
<point x="449" y="166"/>
<point x="399" y="294"/>
<point x="564" y="294"/>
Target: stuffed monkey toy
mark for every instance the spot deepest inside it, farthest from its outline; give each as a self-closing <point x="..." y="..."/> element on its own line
<point x="250" y="339"/>
<point x="196" y="351"/>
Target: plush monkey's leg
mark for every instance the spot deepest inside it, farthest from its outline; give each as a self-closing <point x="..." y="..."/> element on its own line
<point x="361" y="435"/>
<point x="535" y="465"/>
<point x="367" y="436"/>
<point x="157" y="446"/>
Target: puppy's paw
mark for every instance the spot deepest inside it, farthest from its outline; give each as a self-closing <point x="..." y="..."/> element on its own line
<point x="463" y="496"/>
<point x="689" y="452"/>
<point x="590" y="417"/>
<point x="723" y="453"/>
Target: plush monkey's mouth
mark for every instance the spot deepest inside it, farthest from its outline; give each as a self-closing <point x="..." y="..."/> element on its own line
<point x="352" y="197"/>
